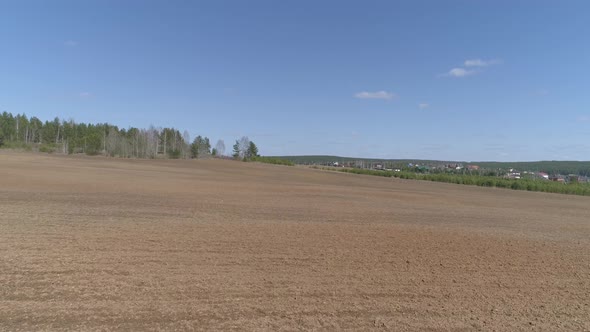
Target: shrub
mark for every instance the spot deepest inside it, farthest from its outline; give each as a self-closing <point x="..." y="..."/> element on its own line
<point x="17" y="146"/>
<point x="174" y="154"/>
<point x="269" y="160"/>
<point x="47" y="148"/>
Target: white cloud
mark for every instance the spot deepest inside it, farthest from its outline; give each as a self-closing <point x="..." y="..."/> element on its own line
<point x="375" y="95"/>
<point x="481" y="63"/>
<point x="583" y="118"/>
<point x="85" y="95"/>
<point x="460" y="72"/>
<point x="71" y="43"/>
<point x="423" y="106"/>
<point x="476" y="66"/>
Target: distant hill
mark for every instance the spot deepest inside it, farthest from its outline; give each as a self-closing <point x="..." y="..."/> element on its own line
<point x="328" y="159"/>
<point x="551" y="167"/>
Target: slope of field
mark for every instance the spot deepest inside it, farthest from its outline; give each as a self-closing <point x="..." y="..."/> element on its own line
<point x="110" y="244"/>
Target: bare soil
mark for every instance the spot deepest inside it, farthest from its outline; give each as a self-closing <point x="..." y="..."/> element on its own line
<point x="111" y="244"/>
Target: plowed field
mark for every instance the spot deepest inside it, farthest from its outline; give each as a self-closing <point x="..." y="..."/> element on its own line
<point x="91" y="243"/>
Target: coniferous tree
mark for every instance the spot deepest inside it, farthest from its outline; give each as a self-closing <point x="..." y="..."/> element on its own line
<point x="200" y="147"/>
<point x="236" y="151"/>
<point x="252" y="151"/>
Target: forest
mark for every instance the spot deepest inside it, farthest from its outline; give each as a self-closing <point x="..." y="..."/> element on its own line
<point x="30" y="133"/>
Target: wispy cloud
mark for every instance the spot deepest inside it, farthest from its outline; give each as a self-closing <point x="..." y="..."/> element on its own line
<point x="85" y="95"/>
<point x="71" y="43"/>
<point x="583" y="118"/>
<point x="481" y="63"/>
<point x="471" y="67"/>
<point x="375" y="95"/>
<point x="423" y="106"/>
<point x="460" y="72"/>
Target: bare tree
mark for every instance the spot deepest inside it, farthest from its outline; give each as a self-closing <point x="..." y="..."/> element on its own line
<point x="220" y="147"/>
<point x="152" y="142"/>
<point x="186" y="149"/>
<point x="241" y="147"/>
<point x="112" y="143"/>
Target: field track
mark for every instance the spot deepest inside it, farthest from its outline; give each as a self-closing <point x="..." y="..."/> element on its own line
<point x="91" y="243"/>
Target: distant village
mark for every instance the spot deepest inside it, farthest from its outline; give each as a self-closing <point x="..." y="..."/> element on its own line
<point x="460" y="168"/>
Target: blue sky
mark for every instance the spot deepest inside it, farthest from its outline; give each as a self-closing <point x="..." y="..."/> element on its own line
<point x="453" y="80"/>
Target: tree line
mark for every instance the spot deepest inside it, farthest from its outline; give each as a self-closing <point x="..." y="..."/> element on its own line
<point x="20" y="131"/>
<point x="478" y="180"/>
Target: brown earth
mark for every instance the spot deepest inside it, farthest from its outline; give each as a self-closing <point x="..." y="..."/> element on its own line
<point x="110" y="244"/>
